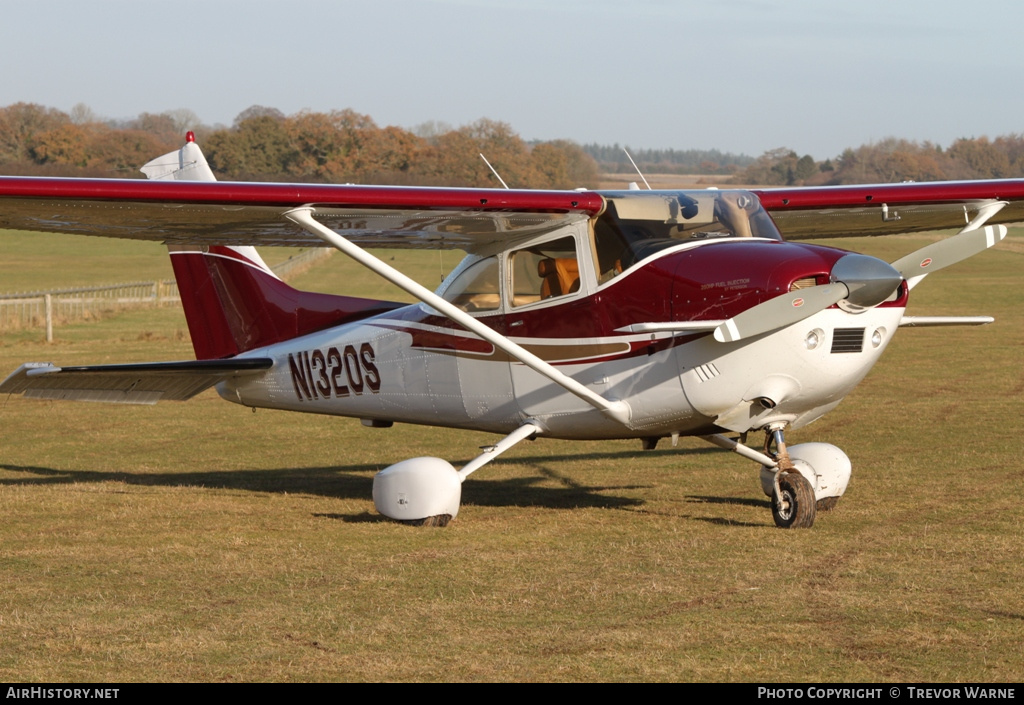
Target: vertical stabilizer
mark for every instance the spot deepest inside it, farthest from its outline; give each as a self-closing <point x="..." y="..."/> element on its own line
<point x="233" y="301"/>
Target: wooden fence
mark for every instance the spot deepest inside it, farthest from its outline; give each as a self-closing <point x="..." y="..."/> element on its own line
<point x="38" y="309"/>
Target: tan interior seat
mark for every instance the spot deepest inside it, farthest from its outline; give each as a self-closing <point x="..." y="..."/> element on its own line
<point x="561" y="275"/>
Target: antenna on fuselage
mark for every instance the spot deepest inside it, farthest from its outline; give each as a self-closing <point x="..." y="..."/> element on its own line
<point x="637" y="169"/>
<point x="493" y="170"/>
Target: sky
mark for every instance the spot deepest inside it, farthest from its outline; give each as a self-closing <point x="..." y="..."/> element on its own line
<point x="742" y="76"/>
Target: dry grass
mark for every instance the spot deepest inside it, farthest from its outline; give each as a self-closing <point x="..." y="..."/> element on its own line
<point x="202" y="542"/>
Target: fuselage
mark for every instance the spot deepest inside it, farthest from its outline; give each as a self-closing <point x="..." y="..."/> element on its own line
<point x="413" y="365"/>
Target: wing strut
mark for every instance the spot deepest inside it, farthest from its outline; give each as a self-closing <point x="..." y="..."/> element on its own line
<point x="491" y="452"/>
<point x="303" y="217"/>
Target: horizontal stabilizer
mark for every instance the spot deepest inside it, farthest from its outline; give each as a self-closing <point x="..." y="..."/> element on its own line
<point x="927" y="321"/>
<point x="145" y="383"/>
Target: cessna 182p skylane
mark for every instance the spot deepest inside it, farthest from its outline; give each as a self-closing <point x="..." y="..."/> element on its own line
<point x="575" y="314"/>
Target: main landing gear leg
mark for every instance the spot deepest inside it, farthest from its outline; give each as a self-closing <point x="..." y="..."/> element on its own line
<point x="793" y="502"/>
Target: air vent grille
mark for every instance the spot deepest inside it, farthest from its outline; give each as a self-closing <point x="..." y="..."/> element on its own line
<point x="847" y="340"/>
<point x="804" y="283"/>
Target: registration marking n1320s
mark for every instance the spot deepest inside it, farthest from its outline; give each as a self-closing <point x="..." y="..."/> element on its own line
<point x="334" y="372"/>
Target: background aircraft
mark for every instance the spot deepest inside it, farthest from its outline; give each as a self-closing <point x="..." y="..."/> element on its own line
<point x="576" y="314"/>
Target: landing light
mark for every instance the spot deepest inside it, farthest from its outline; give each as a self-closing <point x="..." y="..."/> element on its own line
<point x="877" y="337"/>
<point x="814" y="338"/>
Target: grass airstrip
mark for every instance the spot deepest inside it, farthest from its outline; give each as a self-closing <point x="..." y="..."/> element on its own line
<point x="204" y="542"/>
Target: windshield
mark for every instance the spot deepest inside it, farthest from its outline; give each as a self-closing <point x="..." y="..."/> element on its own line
<point x="636" y="224"/>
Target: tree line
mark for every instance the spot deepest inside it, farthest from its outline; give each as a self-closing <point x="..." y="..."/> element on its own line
<point x="343" y="146"/>
<point x="612" y="159"/>
<point x="892" y="160"/>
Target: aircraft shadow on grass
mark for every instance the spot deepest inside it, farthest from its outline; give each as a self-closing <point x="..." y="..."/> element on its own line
<point x="355" y="482"/>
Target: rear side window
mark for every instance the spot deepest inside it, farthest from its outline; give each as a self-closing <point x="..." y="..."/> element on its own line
<point x="544" y="271"/>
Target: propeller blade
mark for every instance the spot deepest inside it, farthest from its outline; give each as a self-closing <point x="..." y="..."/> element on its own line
<point x="781" y="311"/>
<point x="949" y="251"/>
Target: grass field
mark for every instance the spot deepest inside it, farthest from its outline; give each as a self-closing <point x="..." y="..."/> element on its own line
<point x="203" y="542"/>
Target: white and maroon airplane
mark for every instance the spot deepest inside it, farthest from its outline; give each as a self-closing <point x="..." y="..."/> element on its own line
<point x="575" y="314"/>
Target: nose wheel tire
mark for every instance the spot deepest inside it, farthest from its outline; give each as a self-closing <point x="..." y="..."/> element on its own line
<point x="796" y="507"/>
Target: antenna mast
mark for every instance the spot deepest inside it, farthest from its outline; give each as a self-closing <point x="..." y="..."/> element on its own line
<point x="495" y="171"/>
<point x="634" y="166"/>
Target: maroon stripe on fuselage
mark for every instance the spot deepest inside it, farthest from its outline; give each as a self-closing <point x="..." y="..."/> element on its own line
<point x="568" y="351"/>
<point x="442" y="340"/>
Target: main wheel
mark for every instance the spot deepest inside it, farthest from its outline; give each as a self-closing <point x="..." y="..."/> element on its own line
<point x="796" y="508"/>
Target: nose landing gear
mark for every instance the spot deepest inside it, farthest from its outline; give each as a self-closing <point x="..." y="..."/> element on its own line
<point x="801" y="481"/>
<point x="793" y="502"/>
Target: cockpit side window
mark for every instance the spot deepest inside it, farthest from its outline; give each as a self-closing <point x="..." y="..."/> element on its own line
<point x="476" y="288"/>
<point x="544" y="271"/>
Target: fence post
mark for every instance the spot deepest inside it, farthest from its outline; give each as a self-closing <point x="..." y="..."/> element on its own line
<point x="48" y="299"/>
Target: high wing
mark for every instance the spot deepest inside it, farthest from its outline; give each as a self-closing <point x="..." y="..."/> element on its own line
<point x="226" y="213"/>
<point x="804" y="213"/>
